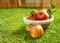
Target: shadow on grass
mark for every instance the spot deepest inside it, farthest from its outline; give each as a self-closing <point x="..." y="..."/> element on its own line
<point x="22" y="34"/>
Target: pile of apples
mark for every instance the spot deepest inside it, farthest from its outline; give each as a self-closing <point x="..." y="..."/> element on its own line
<point x="39" y="15"/>
<point x="36" y="30"/>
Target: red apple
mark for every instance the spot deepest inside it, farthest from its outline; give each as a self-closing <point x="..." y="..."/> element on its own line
<point x="36" y="31"/>
<point x="32" y="15"/>
<point x="42" y="15"/>
<point x="34" y="12"/>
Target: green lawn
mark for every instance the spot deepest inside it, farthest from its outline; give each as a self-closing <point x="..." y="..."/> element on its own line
<point x="12" y="27"/>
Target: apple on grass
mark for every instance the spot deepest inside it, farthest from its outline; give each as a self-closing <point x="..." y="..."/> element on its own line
<point x="36" y="31"/>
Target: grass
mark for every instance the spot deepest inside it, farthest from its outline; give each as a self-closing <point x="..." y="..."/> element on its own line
<point x="12" y="27"/>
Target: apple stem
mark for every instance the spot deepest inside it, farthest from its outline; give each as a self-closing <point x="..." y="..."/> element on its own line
<point x="34" y="15"/>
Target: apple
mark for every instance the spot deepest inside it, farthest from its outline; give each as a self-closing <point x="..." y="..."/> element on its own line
<point x="42" y="15"/>
<point x="34" y="12"/>
<point x="32" y="15"/>
<point x="36" y="31"/>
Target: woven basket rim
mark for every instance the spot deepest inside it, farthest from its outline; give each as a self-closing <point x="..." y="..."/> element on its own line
<point x="39" y="21"/>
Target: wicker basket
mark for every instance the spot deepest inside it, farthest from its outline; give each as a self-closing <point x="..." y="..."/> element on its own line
<point x="44" y="23"/>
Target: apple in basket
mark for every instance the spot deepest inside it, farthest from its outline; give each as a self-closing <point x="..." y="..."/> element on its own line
<point x="38" y="15"/>
<point x="35" y="30"/>
<point x="32" y="15"/>
<point x="42" y="15"/>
